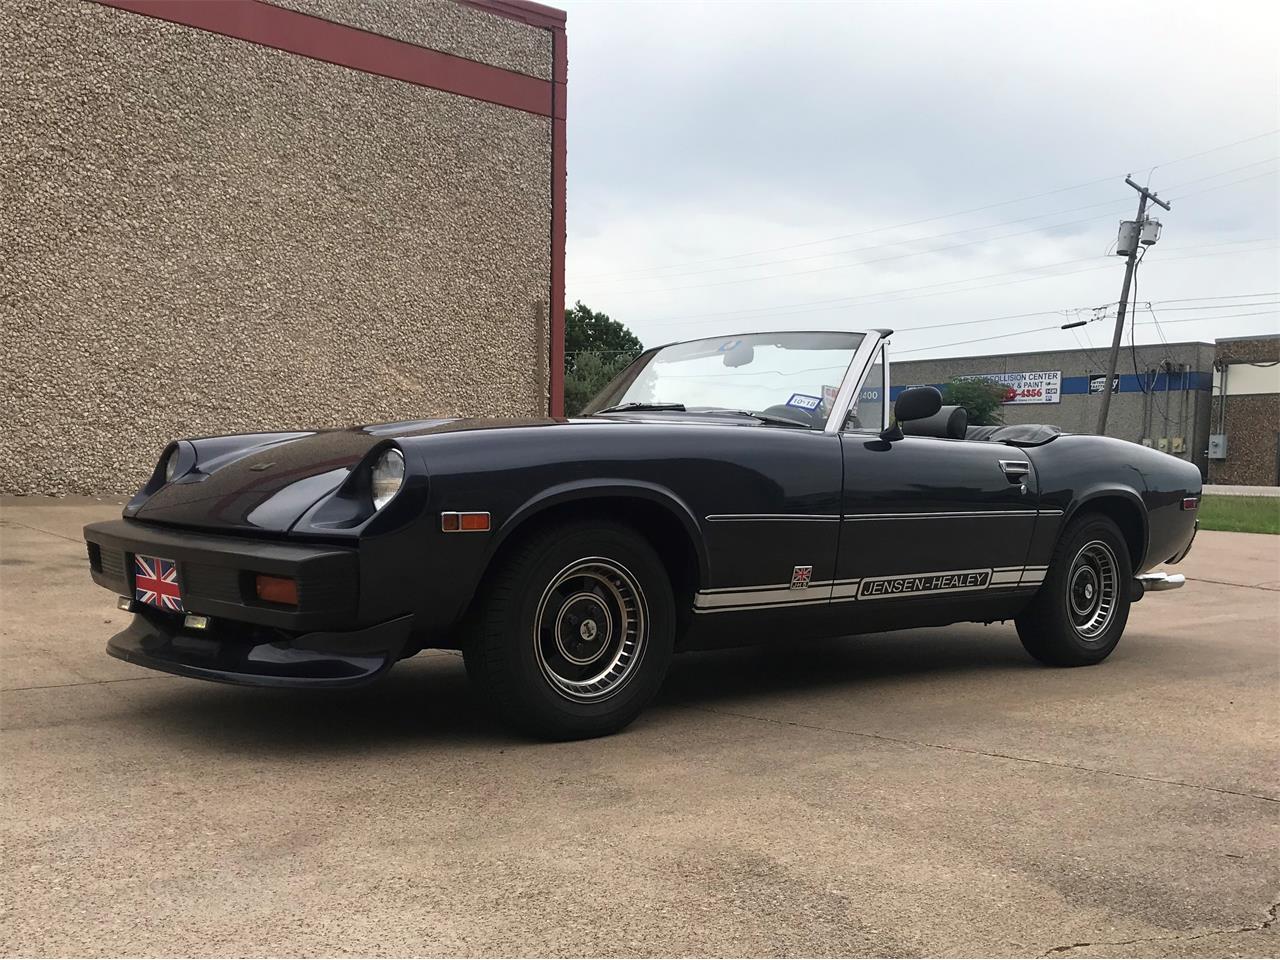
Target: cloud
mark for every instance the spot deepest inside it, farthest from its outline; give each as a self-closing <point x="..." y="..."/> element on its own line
<point x="700" y="132"/>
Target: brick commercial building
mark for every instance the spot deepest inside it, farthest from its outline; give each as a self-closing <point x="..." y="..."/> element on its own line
<point x="1245" y="435"/>
<point x="1217" y="405"/>
<point x="1165" y="404"/>
<point x="230" y="215"/>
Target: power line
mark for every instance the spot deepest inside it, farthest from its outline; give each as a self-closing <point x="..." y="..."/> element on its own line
<point x="934" y="219"/>
<point x="1220" y="186"/>
<point x="1022" y="333"/>
<point x="1225" y="296"/>
<point x="920" y="253"/>
<point x="1101" y="312"/>
<point x="913" y="240"/>
<point x="808" y="306"/>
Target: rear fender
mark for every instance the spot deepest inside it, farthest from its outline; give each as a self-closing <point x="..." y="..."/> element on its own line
<point x="1138" y="528"/>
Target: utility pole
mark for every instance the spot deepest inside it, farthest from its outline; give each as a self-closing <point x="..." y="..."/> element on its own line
<point x="1143" y="196"/>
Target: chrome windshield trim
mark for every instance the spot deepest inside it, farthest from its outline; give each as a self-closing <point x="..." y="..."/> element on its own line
<point x="857" y="371"/>
<point x="886" y="408"/>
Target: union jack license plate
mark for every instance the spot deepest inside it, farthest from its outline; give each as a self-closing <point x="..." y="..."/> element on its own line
<point x="155" y="581"/>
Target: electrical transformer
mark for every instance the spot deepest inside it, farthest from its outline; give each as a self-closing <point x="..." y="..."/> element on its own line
<point x="1127" y="240"/>
<point x="1150" y="232"/>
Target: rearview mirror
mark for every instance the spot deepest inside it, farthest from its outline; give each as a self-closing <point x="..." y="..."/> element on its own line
<point x="738" y="353"/>
<point x="916" y="403"/>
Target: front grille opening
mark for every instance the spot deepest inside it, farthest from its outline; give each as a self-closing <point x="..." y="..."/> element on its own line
<point x="95" y="557"/>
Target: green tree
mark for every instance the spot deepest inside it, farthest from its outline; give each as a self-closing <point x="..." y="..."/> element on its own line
<point x="981" y="399"/>
<point x="596" y="348"/>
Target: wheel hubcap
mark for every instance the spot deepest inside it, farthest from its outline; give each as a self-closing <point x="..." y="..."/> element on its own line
<point x="1093" y="585"/>
<point x="590" y="629"/>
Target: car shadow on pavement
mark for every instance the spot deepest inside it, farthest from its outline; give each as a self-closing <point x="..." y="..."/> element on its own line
<point x="427" y="699"/>
<point x="852" y="664"/>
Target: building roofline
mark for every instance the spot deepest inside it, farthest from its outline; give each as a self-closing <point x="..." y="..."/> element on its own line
<point x="526" y="11"/>
<point x="1256" y="336"/>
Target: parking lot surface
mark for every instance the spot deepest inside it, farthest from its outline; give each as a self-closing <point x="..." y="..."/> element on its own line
<point x="925" y="792"/>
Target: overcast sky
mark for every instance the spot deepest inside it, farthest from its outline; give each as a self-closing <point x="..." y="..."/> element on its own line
<point x="739" y="166"/>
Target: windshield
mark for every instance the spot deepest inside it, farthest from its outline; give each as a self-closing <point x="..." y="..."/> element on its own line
<point x="792" y="378"/>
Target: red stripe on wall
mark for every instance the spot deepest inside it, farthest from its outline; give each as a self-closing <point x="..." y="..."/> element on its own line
<point x="559" y="187"/>
<point x="345" y="46"/>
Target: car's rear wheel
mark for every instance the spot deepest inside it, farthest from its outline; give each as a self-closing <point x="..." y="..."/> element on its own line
<point x="1078" y="615"/>
<point x="574" y="630"/>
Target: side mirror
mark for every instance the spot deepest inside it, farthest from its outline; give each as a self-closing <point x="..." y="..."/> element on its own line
<point x="917" y="403"/>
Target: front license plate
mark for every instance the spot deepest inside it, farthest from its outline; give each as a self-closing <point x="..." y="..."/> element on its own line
<point x="155" y="581"/>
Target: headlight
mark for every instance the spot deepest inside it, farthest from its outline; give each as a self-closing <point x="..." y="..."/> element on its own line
<point x="171" y="465"/>
<point x="387" y="477"/>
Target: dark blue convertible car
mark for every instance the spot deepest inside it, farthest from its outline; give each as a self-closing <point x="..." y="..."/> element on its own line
<point x="717" y="492"/>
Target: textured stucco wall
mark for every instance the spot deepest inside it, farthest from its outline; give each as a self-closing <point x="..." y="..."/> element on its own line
<point x="443" y="25"/>
<point x="1252" y="421"/>
<point x="203" y="236"/>
<point x="1132" y="416"/>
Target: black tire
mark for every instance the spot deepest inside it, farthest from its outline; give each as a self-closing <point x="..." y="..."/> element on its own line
<point x="1078" y="615"/>
<point x="566" y="606"/>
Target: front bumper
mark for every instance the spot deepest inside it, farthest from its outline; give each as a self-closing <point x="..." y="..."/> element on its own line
<point x="260" y="656"/>
<point x="327" y="639"/>
<point x="217" y="574"/>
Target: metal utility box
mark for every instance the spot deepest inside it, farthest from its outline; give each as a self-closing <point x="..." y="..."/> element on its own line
<point x="1217" y="446"/>
<point x="1127" y="239"/>
<point x="1150" y="233"/>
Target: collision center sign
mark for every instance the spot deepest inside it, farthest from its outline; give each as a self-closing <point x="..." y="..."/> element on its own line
<point x="1040" y="386"/>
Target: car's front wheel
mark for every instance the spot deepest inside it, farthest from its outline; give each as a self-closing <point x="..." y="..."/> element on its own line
<point x="1078" y="615"/>
<point x="574" y="630"/>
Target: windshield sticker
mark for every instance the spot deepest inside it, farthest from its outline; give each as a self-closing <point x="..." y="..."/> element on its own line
<point x="829" y="394"/>
<point x="729" y="345"/>
<point x="804" y="401"/>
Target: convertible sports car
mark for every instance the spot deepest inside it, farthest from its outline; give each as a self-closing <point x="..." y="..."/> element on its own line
<point x="717" y="492"/>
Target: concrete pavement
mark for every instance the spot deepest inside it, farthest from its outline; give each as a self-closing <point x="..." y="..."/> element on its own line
<point x="928" y="792"/>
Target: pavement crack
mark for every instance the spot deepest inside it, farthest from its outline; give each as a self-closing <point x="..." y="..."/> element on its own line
<point x="1266" y="923"/>
<point x="1232" y="583"/>
<point x="83" y="683"/>
<point x="984" y="753"/>
<point x="48" y="533"/>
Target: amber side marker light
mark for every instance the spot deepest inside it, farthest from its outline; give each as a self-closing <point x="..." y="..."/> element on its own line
<point x="1190" y="503"/>
<point x="470" y="522"/>
<point x="277" y="589"/>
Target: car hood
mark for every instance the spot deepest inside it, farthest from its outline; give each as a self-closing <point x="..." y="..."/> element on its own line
<point x="259" y="483"/>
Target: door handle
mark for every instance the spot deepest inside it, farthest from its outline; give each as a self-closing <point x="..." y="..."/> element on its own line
<point x="1016" y="471"/>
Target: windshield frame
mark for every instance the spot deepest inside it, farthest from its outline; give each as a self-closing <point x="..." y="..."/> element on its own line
<point x="855" y="373"/>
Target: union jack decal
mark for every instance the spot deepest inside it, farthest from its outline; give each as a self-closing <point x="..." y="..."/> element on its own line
<point x="800" y="577"/>
<point x="155" y="581"/>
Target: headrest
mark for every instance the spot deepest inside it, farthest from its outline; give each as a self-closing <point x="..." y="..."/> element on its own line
<point x="949" y="423"/>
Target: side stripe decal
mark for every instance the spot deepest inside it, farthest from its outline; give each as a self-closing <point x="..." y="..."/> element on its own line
<point x="767" y="596"/>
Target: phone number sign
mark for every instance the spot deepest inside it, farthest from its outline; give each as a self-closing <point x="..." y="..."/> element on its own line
<point x="1040" y="386"/>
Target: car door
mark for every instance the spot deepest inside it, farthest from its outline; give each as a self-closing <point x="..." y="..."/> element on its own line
<point x="770" y="521"/>
<point x="928" y="519"/>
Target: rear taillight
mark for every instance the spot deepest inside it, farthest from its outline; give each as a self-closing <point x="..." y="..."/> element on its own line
<point x="1190" y="503"/>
